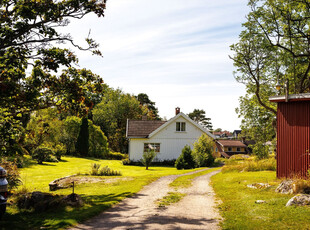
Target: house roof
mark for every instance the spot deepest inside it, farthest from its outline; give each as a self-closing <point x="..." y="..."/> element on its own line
<point x="231" y="143"/>
<point x="186" y="118"/>
<point x="291" y="97"/>
<point x="142" y="128"/>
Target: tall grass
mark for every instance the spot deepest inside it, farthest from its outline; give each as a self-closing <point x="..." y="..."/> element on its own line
<point x="249" y="165"/>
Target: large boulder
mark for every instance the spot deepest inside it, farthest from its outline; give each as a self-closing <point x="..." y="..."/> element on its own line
<point x="300" y="199"/>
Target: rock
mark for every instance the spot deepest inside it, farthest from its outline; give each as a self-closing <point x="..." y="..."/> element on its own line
<point x="260" y="201"/>
<point x="258" y="185"/>
<point x="286" y="187"/>
<point x="44" y="201"/>
<point x="300" y="199"/>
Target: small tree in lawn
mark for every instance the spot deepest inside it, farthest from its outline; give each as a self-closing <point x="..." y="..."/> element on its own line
<point x="185" y="160"/>
<point x="148" y="157"/>
<point x="203" y="151"/>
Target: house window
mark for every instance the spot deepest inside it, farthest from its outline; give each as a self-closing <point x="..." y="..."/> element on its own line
<point x="148" y="146"/>
<point x="180" y="126"/>
<point x="238" y="149"/>
<point x="216" y="150"/>
<point x="229" y="149"/>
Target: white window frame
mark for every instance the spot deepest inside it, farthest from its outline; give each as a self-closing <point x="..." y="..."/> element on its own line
<point x="155" y="146"/>
<point x="180" y="127"/>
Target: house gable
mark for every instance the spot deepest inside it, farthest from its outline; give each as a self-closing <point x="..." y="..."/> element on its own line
<point x="170" y="127"/>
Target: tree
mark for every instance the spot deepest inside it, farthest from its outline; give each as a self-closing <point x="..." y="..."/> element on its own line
<point x="148" y="157"/>
<point x="111" y="115"/>
<point x="274" y="46"/>
<point x="199" y="116"/>
<point x="28" y="38"/>
<point x="148" y="106"/>
<point x="82" y="143"/>
<point x="202" y="151"/>
<point x="185" y="160"/>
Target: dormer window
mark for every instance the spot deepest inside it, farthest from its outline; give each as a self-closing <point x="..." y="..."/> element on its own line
<point x="180" y="126"/>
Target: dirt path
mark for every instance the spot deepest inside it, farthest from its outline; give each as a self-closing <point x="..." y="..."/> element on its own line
<point x="194" y="211"/>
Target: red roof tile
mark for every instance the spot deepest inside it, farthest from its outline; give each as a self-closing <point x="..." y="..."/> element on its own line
<point x="142" y="128"/>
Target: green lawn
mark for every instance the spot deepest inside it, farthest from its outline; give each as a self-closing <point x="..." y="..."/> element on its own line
<point x="99" y="196"/>
<point x="240" y="210"/>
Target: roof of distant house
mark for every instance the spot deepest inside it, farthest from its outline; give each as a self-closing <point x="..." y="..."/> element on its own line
<point x="231" y="143"/>
<point x="227" y="133"/>
<point x="142" y="128"/>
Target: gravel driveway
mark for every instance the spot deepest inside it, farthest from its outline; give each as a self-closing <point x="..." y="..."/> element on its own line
<point x="195" y="211"/>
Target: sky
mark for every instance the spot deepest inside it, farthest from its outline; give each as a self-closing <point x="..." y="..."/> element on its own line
<point x="175" y="51"/>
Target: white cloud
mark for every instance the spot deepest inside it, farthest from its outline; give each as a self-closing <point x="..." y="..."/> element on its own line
<point x="176" y="51"/>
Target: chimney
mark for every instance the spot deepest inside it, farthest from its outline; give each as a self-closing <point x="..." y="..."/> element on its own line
<point x="177" y="110"/>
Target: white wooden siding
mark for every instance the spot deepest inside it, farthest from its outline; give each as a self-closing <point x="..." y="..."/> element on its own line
<point x="171" y="141"/>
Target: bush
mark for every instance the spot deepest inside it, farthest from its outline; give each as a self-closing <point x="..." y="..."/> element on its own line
<point x="105" y="171"/>
<point x="202" y="151"/>
<point x="148" y="157"/>
<point x="13" y="176"/>
<point x="116" y="156"/>
<point x="59" y="150"/>
<point x="42" y="153"/>
<point x="185" y="160"/>
<point x="260" y="150"/>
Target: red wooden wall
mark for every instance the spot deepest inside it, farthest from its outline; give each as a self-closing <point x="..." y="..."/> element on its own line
<point x="293" y="138"/>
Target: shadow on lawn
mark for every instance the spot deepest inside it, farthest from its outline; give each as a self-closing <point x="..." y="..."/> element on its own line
<point x="61" y="217"/>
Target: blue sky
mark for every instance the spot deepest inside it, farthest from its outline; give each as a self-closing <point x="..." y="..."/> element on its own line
<point x="176" y="51"/>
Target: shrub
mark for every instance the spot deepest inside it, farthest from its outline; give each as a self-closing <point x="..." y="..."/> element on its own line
<point x="42" y="153"/>
<point x="202" y="151"/>
<point x="98" y="142"/>
<point x="105" y="171"/>
<point x="260" y="150"/>
<point x="148" y="157"/>
<point x="13" y="176"/>
<point x="116" y="156"/>
<point x="59" y="150"/>
<point x="185" y="160"/>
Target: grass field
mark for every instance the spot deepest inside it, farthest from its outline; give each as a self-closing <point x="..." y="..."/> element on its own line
<point x="240" y="210"/>
<point x="98" y="196"/>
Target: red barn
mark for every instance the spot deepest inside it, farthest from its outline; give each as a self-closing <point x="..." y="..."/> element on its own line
<point x="293" y="135"/>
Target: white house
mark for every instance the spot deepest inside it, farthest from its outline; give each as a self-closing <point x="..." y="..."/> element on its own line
<point x="167" y="137"/>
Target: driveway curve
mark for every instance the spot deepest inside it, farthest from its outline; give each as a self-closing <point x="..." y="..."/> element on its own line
<point x="195" y="211"/>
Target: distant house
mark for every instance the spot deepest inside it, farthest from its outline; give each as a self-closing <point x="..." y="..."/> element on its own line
<point x="236" y="133"/>
<point x="227" y="148"/>
<point x="223" y="134"/>
<point x="168" y="138"/>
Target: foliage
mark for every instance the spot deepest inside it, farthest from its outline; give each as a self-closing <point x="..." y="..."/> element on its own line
<point x="202" y="151"/>
<point x="249" y="165"/>
<point x="148" y="106"/>
<point x="69" y="135"/>
<point x="29" y="34"/>
<point x="185" y="160"/>
<point x="115" y="156"/>
<point x="42" y="153"/>
<point x="260" y="150"/>
<point x="82" y="143"/>
<point x="272" y="47"/>
<point x="148" y="157"/>
<point x="111" y="115"/>
<point x="13" y="176"/>
<point x="199" y="116"/>
<point x="98" y="143"/>
<point x="239" y="210"/>
<point x="43" y="128"/>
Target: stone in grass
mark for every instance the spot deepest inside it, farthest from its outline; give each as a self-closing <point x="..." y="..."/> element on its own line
<point x="299" y="199"/>
<point x="286" y="187"/>
<point x="260" y="201"/>
<point x="258" y="185"/>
